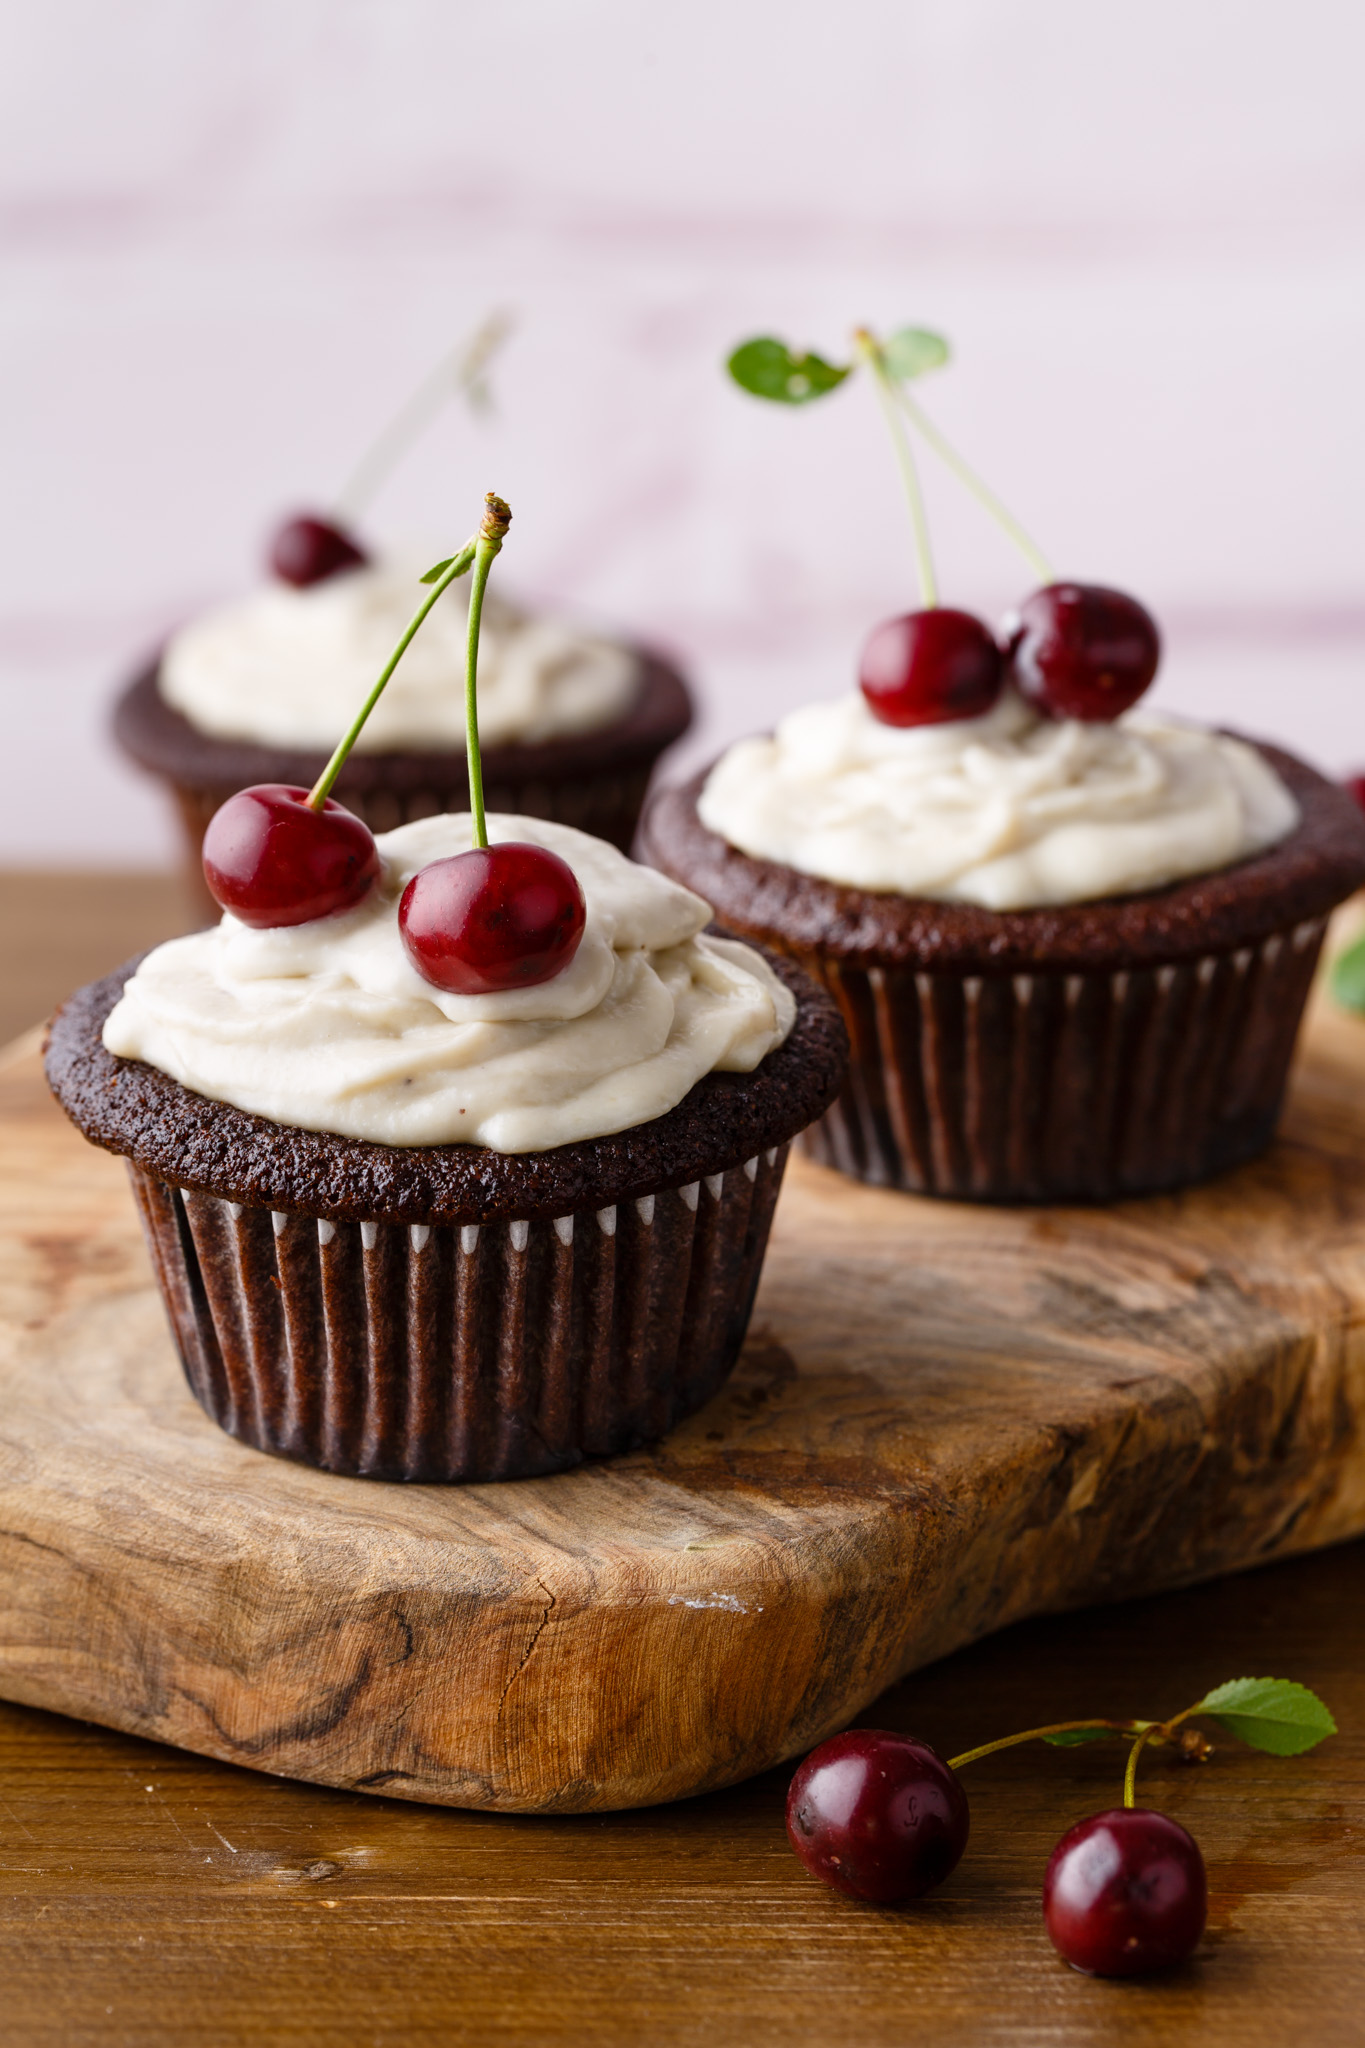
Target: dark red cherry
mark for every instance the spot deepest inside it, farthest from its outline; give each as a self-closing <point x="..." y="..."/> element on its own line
<point x="272" y="860"/>
<point x="1125" y="1894"/>
<point x="928" y="667"/>
<point x="1080" y="651"/>
<point x="498" y="917"/>
<point x="877" y="1815"/>
<point x="1356" y="785"/>
<point x="308" y="550"/>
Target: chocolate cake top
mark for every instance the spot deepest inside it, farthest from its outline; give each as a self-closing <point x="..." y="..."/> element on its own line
<point x="191" y="1142"/>
<point x="162" y="739"/>
<point x="1301" y="878"/>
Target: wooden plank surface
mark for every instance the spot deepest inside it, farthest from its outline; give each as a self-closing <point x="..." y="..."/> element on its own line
<point x="152" y="1898"/>
<point x="225" y="1906"/>
<point x="946" y="1418"/>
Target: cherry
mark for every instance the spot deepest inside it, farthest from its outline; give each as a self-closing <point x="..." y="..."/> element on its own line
<point x="498" y="917"/>
<point x="1125" y="1893"/>
<point x="927" y="667"/>
<point x="877" y="1815"/>
<point x="1356" y="785"/>
<point x="271" y="859"/>
<point x="308" y="550"/>
<point x="1080" y="651"/>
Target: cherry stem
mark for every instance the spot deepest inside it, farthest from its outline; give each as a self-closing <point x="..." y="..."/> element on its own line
<point x="456" y="567"/>
<point x="459" y="371"/>
<point x="1130" y="1775"/>
<point x="492" y="532"/>
<point x="970" y="1756"/>
<point x="980" y="490"/>
<point x="869" y="349"/>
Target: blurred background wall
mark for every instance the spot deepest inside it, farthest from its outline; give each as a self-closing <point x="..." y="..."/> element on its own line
<point x="235" y="232"/>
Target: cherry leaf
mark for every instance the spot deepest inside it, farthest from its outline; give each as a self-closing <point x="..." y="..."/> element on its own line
<point x="435" y="575"/>
<point x="1068" y="1738"/>
<point x="910" y="351"/>
<point x="1348" y="977"/>
<point x="1273" y="1714"/>
<point x="769" y="369"/>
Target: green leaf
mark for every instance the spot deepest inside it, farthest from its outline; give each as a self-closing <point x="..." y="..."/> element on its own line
<point x="769" y="369"/>
<point x="1068" y="1738"/>
<point x="910" y="351"/>
<point x="435" y="575"/>
<point x="1272" y="1714"/>
<point x="1348" y="977"/>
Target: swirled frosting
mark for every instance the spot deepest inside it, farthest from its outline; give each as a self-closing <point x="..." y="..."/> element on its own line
<point x="1009" y="811"/>
<point x="328" y="1026"/>
<point x="288" y="668"/>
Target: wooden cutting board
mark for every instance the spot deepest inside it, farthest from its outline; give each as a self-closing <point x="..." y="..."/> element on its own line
<point x="945" y="1418"/>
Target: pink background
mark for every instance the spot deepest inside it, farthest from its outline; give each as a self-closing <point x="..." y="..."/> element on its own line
<point x="236" y="232"/>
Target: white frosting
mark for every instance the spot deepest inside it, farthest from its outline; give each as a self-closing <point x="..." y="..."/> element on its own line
<point x="1009" y="811"/>
<point x="329" y="1026"/>
<point x="289" y="668"/>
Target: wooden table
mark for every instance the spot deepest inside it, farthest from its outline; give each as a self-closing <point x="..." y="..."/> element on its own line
<point x="152" y="1897"/>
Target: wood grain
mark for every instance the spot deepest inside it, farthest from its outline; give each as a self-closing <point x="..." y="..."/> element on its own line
<point x="946" y="1418"/>
<point x="150" y="1898"/>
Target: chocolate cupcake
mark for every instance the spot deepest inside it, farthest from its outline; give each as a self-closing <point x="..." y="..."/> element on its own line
<point x="349" y="1287"/>
<point x="1095" y="988"/>
<point x="256" y="692"/>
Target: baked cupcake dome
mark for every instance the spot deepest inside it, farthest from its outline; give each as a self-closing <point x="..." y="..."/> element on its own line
<point x="595" y="780"/>
<point x="1074" y="1053"/>
<point x="448" y="1312"/>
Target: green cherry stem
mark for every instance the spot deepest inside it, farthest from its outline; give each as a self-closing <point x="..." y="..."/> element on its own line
<point x="459" y="371"/>
<point x="869" y="350"/>
<point x="979" y="489"/>
<point x="970" y="1756"/>
<point x="455" y="567"/>
<point x="492" y="532"/>
<point x="1130" y="1775"/>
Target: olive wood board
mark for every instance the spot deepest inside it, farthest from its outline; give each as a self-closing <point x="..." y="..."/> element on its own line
<point x="945" y="1418"/>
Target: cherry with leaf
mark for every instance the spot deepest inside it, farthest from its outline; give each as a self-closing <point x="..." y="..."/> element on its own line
<point x="1075" y="650"/>
<point x="882" y="1817"/>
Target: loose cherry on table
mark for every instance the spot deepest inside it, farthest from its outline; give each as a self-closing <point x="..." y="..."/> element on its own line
<point x="499" y="917"/>
<point x="1125" y="1894"/>
<point x="271" y="859"/>
<point x="930" y="666"/>
<point x="308" y="549"/>
<point x="1081" y="651"/>
<point x="877" y="1815"/>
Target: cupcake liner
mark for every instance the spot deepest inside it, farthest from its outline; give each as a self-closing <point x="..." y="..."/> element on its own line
<point x="595" y="780"/>
<point x="1063" y="1086"/>
<point x="445" y="1352"/>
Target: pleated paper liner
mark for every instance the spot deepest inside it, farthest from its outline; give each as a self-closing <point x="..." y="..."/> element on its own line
<point x="461" y="1352"/>
<point x="1064" y="1086"/>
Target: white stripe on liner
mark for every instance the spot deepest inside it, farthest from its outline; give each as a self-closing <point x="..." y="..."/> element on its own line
<point x="751" y="1167"/>
<point x="607" y="1219"/>
<point x="519" y="1232"/>
<point x="278" y="1219"/>
<point x="419" y="1233"/>
<point x="644" y="1208"/>
<point x="369" y="1233"/>
<point x="714" y="1183"/>
<point x="326" y="1231"/>
<point x="564" y="1229"/>
<point x="469" y="1239"/>
<point x="690" y="1194"/>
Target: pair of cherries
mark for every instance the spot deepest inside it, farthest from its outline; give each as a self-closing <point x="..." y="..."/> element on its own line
<point x="499" y="917"/>
<point x="882" y="1817"/>
<point x="1076" y="650"/>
